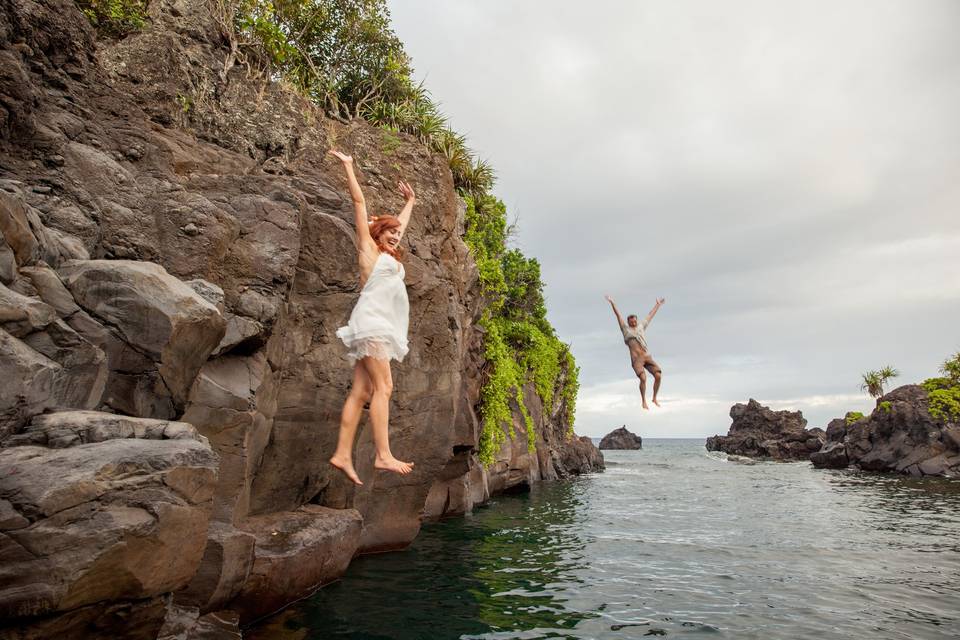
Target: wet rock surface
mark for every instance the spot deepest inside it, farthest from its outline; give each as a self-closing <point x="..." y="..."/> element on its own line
<point x="759" y="432"/>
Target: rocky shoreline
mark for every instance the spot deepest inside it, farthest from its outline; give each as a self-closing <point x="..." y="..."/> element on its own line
<point x="175" y="256"/>
<point x="901" y="435"/>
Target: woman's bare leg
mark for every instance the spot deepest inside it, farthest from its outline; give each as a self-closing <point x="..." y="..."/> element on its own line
<point x="379" y="372"/>
<point x="360" y="393"/>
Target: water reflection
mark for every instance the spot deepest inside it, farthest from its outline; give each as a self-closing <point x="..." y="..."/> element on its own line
<point x="503" y="569"/>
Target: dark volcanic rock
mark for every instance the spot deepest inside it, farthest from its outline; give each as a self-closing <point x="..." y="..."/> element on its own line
<point x="759" y="432"/>
<point x="899" y="436"/>
<point x="621" y="439"/>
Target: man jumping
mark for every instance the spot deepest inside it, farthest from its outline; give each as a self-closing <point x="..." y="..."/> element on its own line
<point x="636" y="340"/>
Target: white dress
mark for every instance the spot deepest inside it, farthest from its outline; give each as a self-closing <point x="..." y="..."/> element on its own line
<point x="379" y="321"/>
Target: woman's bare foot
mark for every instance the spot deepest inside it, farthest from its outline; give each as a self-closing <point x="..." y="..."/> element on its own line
<point x="346" y="465"/>
<point x="645" y="405"/>
<point x="655" y="402"/>
<point x="392" y="464"/>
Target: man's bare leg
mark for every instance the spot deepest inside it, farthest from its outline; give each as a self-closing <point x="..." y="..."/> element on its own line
<point x="359" y="394"/>
<point x="638" y="369"/>
<point x="651" y="366"/>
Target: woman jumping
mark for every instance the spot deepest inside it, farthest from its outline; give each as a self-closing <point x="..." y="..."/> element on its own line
<point x="377" y="329"/>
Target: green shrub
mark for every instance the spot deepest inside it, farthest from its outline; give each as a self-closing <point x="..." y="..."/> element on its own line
<point x="853" y="416"/>
<point x="115" y="18"/>
<point x="944" y="404"/>
<point x="932" y="384"/>
<point x="886" y="406"/>
<point x="943" y="394"/>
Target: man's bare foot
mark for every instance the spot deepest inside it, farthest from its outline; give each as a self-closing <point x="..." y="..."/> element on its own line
<point x="645" y="405"/>
<point x="392" y="464"/>
<point x="655" y="402"/>
<point x="346" y="465"/>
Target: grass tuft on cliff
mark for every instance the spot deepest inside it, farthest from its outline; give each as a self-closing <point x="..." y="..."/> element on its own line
<point x="345" y="57"/>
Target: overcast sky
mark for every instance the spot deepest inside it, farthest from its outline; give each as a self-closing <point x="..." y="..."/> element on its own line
<point x="787" y="175"/>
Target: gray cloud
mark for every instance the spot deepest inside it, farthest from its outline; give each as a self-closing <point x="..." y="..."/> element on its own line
<point x="786" y="174"/>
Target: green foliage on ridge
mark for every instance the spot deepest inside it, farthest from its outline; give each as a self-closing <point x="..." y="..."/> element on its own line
<point x="519" y="344"/>
<point x="344" y="56"/>
<point x="115" y="18"/>
<point x="943" y="394"/>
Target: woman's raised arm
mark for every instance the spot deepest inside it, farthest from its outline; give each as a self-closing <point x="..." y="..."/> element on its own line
<point x="404" y="215"/>
<point x="359" y="203"/>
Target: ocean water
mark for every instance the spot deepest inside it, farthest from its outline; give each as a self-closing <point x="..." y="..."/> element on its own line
<point x="670" y="541"/>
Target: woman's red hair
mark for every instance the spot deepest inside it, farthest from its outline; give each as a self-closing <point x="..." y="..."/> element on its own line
<point x="378" y="226"/>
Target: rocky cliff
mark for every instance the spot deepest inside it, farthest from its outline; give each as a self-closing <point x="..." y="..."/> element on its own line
<point x="176" y="254"/>
<point x="900" y="435"/>
<point x="759" y="432"/>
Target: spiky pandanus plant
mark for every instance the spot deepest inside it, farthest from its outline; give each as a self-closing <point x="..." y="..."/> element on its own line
<point x="476" y="178"/>
<point x="874" y="381"/>
<point x="951" y="368"/>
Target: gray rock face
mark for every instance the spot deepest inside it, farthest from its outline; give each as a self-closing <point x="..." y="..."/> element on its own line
<point x="621" y="438"/>
<point x="120" y="520"/>
<point x="759" y="432"/>
<point x="899" y="436"/>
<point x="296" y="553"/>
<point x="156" y="314"/>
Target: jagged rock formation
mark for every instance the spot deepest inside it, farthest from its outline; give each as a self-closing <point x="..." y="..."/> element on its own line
<point x="899" y="436"/>
<point x="176" y="254"/>
<point x="621" y="438"/>
<point x="759" y="432"/>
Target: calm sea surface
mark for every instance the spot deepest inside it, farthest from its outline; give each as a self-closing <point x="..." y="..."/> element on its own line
<point x="670" y="541"/>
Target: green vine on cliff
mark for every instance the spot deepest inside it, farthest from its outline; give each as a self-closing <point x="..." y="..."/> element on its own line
<point x="115" y="18"/>
<point x="520" y="346"/>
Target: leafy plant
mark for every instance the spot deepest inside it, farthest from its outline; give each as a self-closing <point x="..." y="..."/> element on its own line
<point x="886" y="406"/>
<point x="943" y="394"/>
<point x="933" y="384"/>
<point x="944" y="404"/>
<point x="874" y="381"/>
<point x="852" y="417"/>
<point x="115" y="18"/>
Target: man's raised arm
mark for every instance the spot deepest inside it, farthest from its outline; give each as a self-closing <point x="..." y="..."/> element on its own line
<point x="615" y="311"/>
<point x="653" y="311"/>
